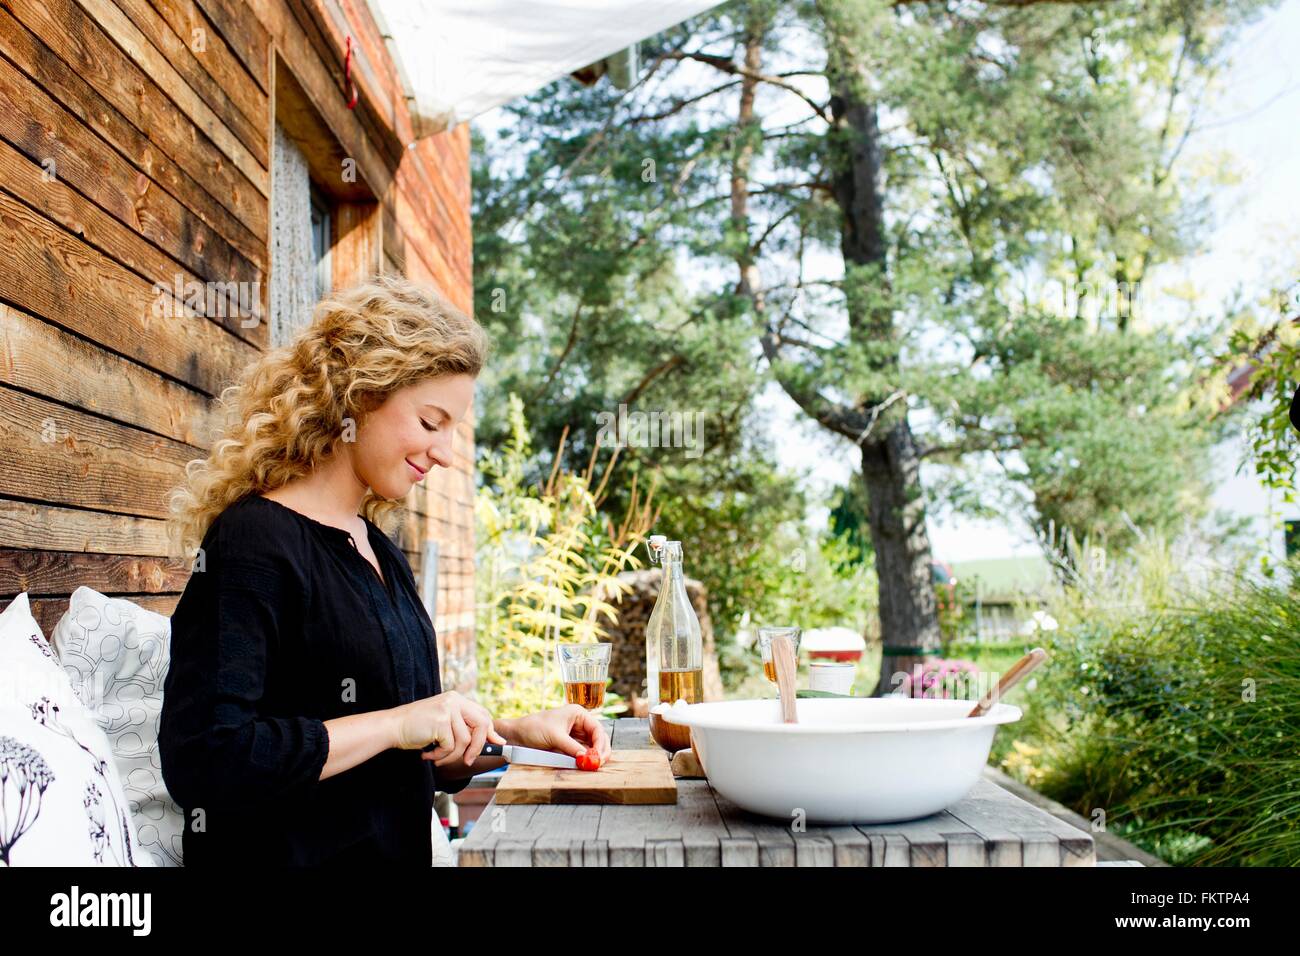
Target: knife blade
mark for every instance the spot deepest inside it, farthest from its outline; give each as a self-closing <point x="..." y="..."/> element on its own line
<point x="525" y="755"/>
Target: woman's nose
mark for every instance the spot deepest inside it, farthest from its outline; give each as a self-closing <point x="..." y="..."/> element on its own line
<point x="440" y="449"/>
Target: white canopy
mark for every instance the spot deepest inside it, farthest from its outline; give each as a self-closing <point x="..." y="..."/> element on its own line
<point x="460" y="58"/>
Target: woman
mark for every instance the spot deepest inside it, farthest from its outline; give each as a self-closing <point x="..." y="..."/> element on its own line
<point x="303" y="683"/>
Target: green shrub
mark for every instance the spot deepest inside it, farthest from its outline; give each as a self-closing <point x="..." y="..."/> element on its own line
<point x="1175" y="712"/>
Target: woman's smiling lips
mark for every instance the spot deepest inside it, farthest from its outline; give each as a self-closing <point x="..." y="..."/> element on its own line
<point x="419" y="472"/>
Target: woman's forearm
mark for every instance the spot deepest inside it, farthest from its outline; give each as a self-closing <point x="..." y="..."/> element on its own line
<point x="356" y="738"/>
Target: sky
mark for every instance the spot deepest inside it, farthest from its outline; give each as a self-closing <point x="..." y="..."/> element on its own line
<point x="1256" y="117"/>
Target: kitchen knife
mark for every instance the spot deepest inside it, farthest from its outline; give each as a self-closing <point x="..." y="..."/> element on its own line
<point x="528" y="755"/>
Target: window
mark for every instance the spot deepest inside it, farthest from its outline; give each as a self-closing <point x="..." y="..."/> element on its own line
<point x="320" y="242"/>
<point x="297" y="240"/>
<point x="326" y="230"/>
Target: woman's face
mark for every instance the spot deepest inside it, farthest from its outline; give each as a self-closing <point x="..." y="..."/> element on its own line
<point x="399" y="442"/>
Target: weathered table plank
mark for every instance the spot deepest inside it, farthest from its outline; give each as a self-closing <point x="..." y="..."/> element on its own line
<point x="1019" y="833"/>
<point x="500" y="837"/>
<point x="630" y="734"/>
<point x="657" y="834"/>
<point x="563" y="834"/>
<point x="773" y="843"/>
<point x="937" y="840"/>
<point x="990" y="827"/>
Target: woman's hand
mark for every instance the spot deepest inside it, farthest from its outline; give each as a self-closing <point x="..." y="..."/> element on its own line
<point x="458" y="725"/>
<point x="570" y="729"/>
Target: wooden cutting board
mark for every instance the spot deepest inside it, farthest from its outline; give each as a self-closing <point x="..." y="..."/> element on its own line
<point x="630" y="777"/>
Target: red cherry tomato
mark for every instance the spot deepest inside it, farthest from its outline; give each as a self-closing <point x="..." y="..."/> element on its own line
<point x="588" y="760"/>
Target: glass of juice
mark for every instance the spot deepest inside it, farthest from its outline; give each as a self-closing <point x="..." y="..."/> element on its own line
<point x="765" y="637"/>
<point x="585" y="671"/>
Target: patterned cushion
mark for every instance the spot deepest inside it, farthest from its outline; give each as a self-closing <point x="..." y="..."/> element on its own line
<point x="60" y="792"/>
<point x="443" y="855"/>
<point x="115" y="654"/>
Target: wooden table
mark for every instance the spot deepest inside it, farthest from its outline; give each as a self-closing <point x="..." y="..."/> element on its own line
<point x="990" y="827"/>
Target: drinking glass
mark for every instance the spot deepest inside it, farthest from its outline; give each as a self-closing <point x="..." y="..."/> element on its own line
<point x="765" y="637"/>
<point x="585" y="670"/>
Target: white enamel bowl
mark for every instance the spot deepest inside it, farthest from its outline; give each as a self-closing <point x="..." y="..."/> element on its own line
<point x="847" y="760"/>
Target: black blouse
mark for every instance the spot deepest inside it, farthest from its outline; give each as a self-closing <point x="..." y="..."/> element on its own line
<point x="284" y="625"/>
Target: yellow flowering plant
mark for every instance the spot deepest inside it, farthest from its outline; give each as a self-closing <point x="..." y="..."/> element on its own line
<point x="547" y="559"/>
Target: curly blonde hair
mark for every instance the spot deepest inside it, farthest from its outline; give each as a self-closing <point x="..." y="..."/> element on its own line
<point x="291" y="406"/>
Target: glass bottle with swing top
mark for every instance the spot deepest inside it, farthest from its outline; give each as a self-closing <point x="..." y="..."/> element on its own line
<point x="674" y="647"/>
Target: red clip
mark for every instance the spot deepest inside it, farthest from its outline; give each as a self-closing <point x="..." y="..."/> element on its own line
<point x="347" y="73"/>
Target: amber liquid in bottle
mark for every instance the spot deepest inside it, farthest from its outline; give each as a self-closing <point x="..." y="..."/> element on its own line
<point x="689" y="686"/>
<point x="769" y="670"/>
<point x="674" y="648"/>
<point x="589" y="694"/>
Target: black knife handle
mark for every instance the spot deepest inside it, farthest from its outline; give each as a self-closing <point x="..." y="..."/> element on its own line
<point x="489" y="750"/>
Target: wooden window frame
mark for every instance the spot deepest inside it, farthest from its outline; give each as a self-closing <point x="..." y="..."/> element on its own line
<point x="355" y="222"/>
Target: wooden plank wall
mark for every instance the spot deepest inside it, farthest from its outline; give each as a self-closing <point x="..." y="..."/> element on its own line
<point x="135" y="140"/>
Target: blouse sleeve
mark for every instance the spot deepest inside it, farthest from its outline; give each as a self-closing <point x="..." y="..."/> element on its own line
<point x="449" y="786"/>
<point x="217" y="746"/>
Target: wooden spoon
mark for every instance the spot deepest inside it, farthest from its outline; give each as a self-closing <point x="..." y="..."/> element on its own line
<point x="1019" y="670"/>
<point x="783" y="658"/>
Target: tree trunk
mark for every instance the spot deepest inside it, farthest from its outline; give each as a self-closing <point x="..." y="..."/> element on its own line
<point x="876" y="423"/>
<point x="909" y="619"/>
<point x="896" y="516"/>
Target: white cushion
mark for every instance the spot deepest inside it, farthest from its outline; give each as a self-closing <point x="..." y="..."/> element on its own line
<point x="62" y="798"/>
<point x="116" y="654"/>
<point x="443" y="855"/>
